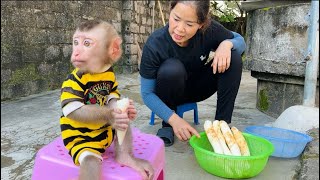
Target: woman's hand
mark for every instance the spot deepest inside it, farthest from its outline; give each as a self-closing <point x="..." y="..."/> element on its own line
<point x="222" y="57"/>
<point x="181" y="128"/>
<point x="132" y="112"/>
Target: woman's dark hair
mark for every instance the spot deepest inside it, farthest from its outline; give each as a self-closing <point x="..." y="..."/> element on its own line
<point x="202" y="9"/>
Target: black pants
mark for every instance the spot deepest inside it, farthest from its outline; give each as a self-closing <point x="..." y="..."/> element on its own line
<point x="175" y="86"/>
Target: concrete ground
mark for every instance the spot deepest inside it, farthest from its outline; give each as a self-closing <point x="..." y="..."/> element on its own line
<point x="30" y="123"/>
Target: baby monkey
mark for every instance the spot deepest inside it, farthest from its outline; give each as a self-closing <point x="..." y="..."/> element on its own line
<point x="88" y="100"/>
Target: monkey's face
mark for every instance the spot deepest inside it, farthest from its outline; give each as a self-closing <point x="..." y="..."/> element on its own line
<point x="89" y="51"/>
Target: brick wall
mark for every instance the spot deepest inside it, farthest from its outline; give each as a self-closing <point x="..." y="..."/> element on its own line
<point x="36" y="39"/>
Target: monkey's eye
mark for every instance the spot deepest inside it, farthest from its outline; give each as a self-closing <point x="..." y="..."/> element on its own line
<point x="86" y="43"/>
<point x="75" y="42"/>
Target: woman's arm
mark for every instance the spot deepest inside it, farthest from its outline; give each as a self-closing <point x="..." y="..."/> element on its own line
<point x="181" y="128"/>
<point x="152" y="101"/>
<point x="221" y="35"/>
<point x="238" y="43"/>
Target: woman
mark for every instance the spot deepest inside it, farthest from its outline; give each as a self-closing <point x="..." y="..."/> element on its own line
<point x="176" y="69"/>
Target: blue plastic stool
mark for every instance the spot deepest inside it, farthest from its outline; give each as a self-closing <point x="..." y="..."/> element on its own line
<point x="180" y="110"/>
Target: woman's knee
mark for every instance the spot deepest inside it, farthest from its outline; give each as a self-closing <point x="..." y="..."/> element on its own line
<point x="236" y="59"/>
<point x="171" y="70"/>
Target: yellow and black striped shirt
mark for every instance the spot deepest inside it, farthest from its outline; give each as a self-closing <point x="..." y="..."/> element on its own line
<point x="87" y="89"/>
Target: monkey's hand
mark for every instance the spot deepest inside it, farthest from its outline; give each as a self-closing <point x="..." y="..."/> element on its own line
<point x="142" y="166"/>
<point x="132" y="112"/>
<point x="120" y="120"/>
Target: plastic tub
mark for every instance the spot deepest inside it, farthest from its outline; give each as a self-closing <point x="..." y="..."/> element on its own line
<point x="287" y="143"/>
<point x="228" y="166"/>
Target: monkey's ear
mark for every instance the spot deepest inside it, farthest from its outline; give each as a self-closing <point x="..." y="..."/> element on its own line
<point x="115" y="49"/>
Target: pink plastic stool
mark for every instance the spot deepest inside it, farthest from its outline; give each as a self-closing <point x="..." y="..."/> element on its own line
<point x="53" y="161"/>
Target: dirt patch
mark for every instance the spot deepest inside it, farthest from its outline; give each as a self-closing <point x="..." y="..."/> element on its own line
<point x="6" y="161"/>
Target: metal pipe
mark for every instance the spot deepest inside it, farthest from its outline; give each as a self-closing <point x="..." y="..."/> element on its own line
<point x="310" y="83"/>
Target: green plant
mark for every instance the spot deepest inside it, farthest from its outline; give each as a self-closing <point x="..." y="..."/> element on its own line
<point x="229" y="12"/>
<point x="263" y="100"/>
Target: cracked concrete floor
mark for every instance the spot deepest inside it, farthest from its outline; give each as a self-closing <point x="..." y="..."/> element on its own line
<point x="31" y="122"/>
